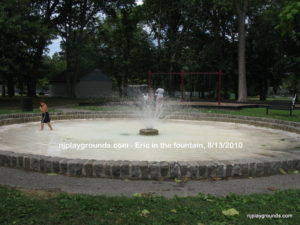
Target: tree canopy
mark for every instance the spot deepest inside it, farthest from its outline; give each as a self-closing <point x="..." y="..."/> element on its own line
<point x="255" y="43"/>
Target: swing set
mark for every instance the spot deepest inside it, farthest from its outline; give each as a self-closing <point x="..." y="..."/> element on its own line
<point x="183" y="75"/>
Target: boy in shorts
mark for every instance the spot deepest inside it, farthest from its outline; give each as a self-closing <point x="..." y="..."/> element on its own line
<point x="45" y="115"/>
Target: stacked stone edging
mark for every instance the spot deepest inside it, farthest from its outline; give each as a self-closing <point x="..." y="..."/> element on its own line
<point x="146" y="169"/>
<point x="154" y="170"/>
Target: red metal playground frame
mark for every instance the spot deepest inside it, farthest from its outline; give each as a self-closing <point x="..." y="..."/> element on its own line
<point x="183" y="74"/>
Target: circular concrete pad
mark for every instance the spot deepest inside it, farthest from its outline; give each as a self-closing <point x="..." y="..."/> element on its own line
<point x="119" y="139"/>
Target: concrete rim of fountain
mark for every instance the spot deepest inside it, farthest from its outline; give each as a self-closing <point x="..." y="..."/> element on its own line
<point x="150" y="169"/>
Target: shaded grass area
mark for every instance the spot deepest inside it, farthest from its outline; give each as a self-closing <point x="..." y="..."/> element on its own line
<point x="280" y="98"/>
<point x="107" y="108"/>
<point x="12" y="105"/>
<point x="15" y="102"/>
<point x="14" y="111"/>
<point x="256" y="112"/>
<point x="19" y="208"/>
<point x="259" y="112"/>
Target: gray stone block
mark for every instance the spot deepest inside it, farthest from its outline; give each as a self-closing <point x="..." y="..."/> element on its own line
<point x="164" y="169"/>
<point x="291" y="164"/>
<point x="4" y="158"/>
<point x="245" y="169"/>
<point x="88" y="168"/>
<point x="42" y="163"/>
<point x="259" y="169"/>
<point x="35" y="163"/>
<point x="252" y="169"/>
<point x="63" y="166"/>
<point x="56" y="164"/>
<point x="203" y="171"/>
<point x="227" y="168"/>
<point x="27" y="162"/>
<point x="116" y="169"/>
<point x="183" y="169"/>
<point x="174" y="170"/>
<point x="14" y="160"/>
<point x="284" y="165"/>
<point x="135" y="171"/>
<point x="154" y="170"/>
<point x="144" y="169"/>
<point x="125" y="169"/>
<point x="236" y="170"/>
<point x="75" y="167"/>
<point x="275" y="167"/>
<point x="108" y="169"/>
<point x="211" y="170"/>
<point x="99" y="168"/>
<point x="267" y="168"/>
<point x="47" y="165"/>
<point x="221" y="171"/>
<point x="297" y="164"/>
<point x="193" y="170"/>
<point x="20" y="161"/>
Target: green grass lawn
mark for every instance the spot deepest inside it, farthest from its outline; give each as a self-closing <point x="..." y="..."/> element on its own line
<point x="259" y="112"/>
<point x="14" y="111"/>
<point x="20" y="209"/>
<point x="107" y="108"/>
<point x="15" y="102"/>
<point x="12" y="105"/>
<point x="256" y="112"/>
<point x="281" y="98"/>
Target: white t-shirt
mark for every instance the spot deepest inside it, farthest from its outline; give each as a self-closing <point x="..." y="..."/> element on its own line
<point x="159" y="92"/>
<point x="146" y="97"/>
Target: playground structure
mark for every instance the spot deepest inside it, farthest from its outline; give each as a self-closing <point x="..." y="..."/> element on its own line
<point x="182" y="80"/>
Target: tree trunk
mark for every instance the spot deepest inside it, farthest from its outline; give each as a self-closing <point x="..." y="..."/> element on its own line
<point x="119" y="84"/>
<point x="242" y="85"/>
<point x="37" y="63"/>
<point x="31" y="87"/>
<point x="263" y="90"/>
<point x="171" y="77"/>
<point x="3" y="87"/>
<point x="21" y="87"/>
<point x="10" y="86"/>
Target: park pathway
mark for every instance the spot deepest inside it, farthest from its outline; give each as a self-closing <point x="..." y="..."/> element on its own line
<point x="114" y="187"/>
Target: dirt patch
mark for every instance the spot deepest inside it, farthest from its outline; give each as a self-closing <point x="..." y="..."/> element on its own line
<point x="44" y="194"/>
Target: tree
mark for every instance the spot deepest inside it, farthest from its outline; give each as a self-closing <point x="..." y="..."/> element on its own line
<point x="77" y="20"/>
<point x="44" y="10"/>
<point x="169" y="21"/>
<point x="241" y="7"/>
<point x="289" y="25"/>
<point x="123" y="46"/>
<point x="26" y="30"/>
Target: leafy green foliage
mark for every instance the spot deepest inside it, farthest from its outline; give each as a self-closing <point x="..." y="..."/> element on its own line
<point x="289" y="17"/>
<point x="17" y="208"/>
<point x="126" y="40"/>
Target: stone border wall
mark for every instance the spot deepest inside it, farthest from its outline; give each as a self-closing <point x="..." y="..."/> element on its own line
<point x="148" y="169"/>
<point x="145" y="169"/>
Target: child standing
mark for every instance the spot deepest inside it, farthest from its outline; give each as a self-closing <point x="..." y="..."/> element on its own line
<point x="45" y="115"/>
